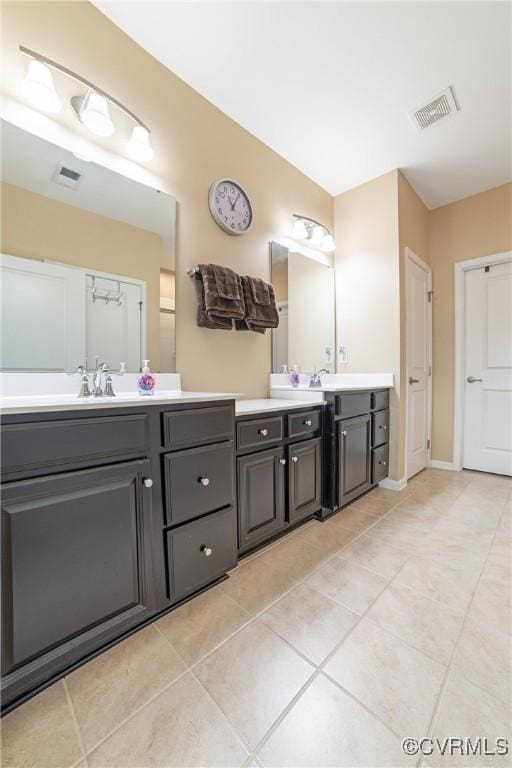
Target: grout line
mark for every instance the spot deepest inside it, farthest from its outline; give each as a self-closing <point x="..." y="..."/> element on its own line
<point x="76" y="723"/>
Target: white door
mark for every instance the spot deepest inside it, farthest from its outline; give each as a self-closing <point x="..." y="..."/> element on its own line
<point x="418" y="362"/>
<point x="488" y="369"/>
<point x="43" y="310"/>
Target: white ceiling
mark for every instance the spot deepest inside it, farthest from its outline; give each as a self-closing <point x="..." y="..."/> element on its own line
<point x="328" y="85"/>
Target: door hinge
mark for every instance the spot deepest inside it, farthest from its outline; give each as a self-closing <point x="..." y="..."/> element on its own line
<point x="487" y="268"/>
<point x="140" y="306"/>
<point x="428" y="444"/>
<point x="430" y="294"/>
<point x="430" y="370"/>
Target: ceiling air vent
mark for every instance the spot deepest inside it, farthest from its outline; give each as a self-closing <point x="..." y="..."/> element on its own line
<point x="67" y="177"/>
<point x="439" y="107"/>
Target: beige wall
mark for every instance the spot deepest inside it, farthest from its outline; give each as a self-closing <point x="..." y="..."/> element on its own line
<point x="195" y="144"/>
<point x="476" y="226"/>
<point x="37" y="227"/>
<point x="368" y="292"/>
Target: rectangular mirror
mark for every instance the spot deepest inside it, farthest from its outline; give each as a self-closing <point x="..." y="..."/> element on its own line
<point x="305" y="297"/>
<point x="87" y="265"/>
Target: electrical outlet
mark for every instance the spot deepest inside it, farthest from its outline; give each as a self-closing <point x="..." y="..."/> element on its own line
<point x="342" y="354"/>
<point x="328" y="355"/>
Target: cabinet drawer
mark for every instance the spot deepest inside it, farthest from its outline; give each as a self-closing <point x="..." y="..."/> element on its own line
<point x="252" y="434"/>
<point x="380" y="462"/>
<point x="380" y="428"/>
<point x="40" y="448"/>
<point x="354" y="404"/>
<point x="200" y="552"/>
<point x="198" y="481"/>
<point x="198" y="426"/>
<point x="303" y="423"/>
<point x="380" y="400"/>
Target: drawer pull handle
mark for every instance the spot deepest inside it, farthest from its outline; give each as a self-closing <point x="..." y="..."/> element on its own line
<point x="204" y="481"/>
<point x="263" y="432"/>
<point x="384" y="463"/>
<point x="207" y="551"/>
<point x="282" y="461"/>
<point x="308" y="423"/>
<point x="148" y="482"/>
<point x="295" y="459"/>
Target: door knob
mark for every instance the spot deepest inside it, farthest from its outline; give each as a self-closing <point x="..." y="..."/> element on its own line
<point x="282" y="461"/>
<point x="207" y="551"/>
<point x="471" y="379"/>
<point x="148" y="482"/>
<point x="413" y="381"/>
<point x="295" y="459"/>
<point x="263" y="432"/>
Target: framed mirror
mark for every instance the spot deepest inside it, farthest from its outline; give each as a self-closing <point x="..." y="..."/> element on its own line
<point x="87" y="265"/>
<point x="305" y="297"/>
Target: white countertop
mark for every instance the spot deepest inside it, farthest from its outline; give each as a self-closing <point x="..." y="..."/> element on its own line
<point x="280" y="385"/>
<point x="67" y="402"/>
<point x="270" y="404"/>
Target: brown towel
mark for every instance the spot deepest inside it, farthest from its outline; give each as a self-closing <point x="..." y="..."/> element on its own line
<point x="259" y="290"/>
<point x="203" y="321"/>
<point x="217" y="305"/>
<point x="258" y="317"/>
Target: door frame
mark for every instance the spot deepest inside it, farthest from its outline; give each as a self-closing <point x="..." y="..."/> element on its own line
<point x="411" y="256"/>
<point x="461" y="267"/>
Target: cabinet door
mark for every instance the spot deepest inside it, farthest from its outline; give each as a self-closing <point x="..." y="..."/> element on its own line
<point x="305" y="479"/>
<point x="260" y="497"/>
<point x="354" y="444"/>
<point x="76" y="568"/>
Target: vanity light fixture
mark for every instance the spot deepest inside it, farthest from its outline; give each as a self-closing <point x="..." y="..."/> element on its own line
<point x="312" y="233"/>
<point x="91" y="109"/>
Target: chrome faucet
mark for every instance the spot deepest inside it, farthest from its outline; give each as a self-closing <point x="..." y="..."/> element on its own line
<point x="104" y="368"/>
<point x="315" y="380"/>
<point x="84" y="381"/>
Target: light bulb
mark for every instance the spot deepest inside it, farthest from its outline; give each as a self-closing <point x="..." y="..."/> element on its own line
<point x="328" y="243"/>
<point x="317" y="235"/>
<point x="139" y="146"/>
<point x="95" y="116"/>
<point x="299" y="230"/>
<point x="39" y="89"/>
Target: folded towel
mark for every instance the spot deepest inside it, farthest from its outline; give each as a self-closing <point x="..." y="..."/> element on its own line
<point x="203" y="321"/>
<point x="258" y="317"/>
<point x="228" y="283"/>
<point x="216" y="305"/>
<point x="259" y="290"/>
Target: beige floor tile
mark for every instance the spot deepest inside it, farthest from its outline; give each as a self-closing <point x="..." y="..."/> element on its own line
<point x="326" y="727"/>
<point x="310" y="621"/>
<point x="348" y="583"/>
<point x="425" y="624"/>
<point x="329" y="539"/>
<point x="461" y="533"/>
<point x="403" y="533"/>
<point x="197" y="627"/>
<point x="375" y="506"/>
<point x="41" y="733"/>
<point x="352" y="518"/>
<point x="393" y="680"/>
<point x="491" y="603"/>
<point x="415" y="511"/>
<point x="483" y="656"/>
<point x="181" y="727"/>
<point x="257" y="583"/>
<point x="376" y="554"/>
<point x="466" y="711"/>
<point x="449" y="581"/>
<point x="253" y="677"/>
<point x="296" y="556"/>
<point x="113" y="685"/>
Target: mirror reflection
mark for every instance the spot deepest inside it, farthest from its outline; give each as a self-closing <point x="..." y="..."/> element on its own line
<point x="304" y="288"/>
<point x="87" y="265"/>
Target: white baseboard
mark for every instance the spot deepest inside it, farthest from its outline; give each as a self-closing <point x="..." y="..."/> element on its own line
<point x="435" y="464"/>
<point x="393" y="485"/>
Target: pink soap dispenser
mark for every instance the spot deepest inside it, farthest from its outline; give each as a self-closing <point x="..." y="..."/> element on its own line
<point x="146" y="381"/>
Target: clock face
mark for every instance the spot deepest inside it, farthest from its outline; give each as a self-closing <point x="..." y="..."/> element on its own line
<point x="230" y="207"/>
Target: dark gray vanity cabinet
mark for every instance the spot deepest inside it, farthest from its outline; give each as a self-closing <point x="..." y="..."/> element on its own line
<point x="109" y="517"/>
<point x="278" y="486"/>
<point x="356" y="445"/>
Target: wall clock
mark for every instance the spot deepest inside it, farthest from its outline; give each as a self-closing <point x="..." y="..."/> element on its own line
<point x="230" y="206"/>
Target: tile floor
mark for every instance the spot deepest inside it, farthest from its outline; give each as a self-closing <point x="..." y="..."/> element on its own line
<point x="327" y="648"/>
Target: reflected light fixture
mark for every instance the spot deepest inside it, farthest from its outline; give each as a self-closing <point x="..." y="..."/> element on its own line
<point x="92" y="110"/>
<point x="39" y="89"/>
<point x="312" y="233"/>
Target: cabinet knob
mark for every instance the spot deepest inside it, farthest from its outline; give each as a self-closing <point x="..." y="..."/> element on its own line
<point x="263" y="432"/>
<point x="344" y="433"/>
<point x="148" y="482"/>
<point x="207" y="551"/>
<point x="384" y="427"/>
<point x="282" y="461"/>
<point x="295" y="459"/>
<point x="308" y="422"/>
<point x="384" y="463"/>
<point x="204" y="481"/>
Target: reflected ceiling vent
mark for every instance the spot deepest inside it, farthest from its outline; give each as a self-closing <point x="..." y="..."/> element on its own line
<point x="441" y="106"/>
<point x="67" y="177"/>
